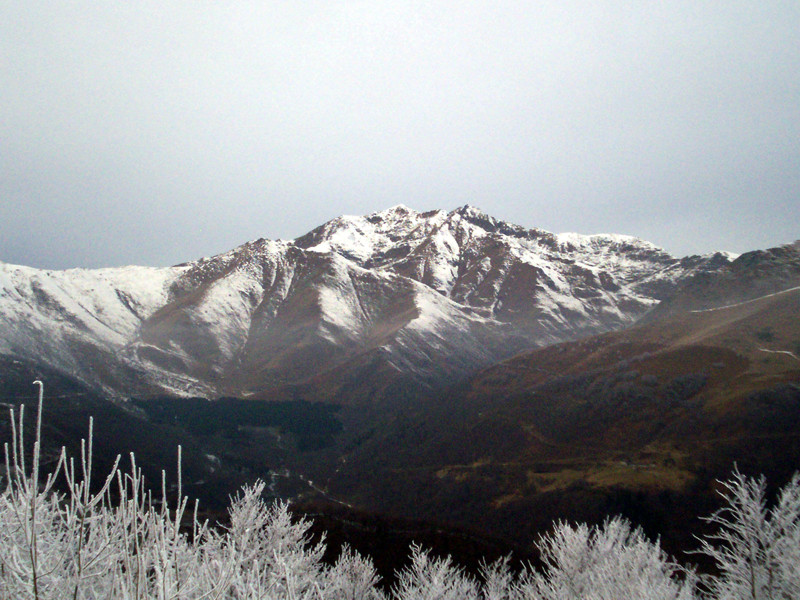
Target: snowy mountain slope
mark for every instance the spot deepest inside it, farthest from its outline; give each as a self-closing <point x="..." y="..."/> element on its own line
<point x="427" y="297"/>
<point x="752" y="275"/>
<point x="549" y="286"/>
<point x="64" y="318"/>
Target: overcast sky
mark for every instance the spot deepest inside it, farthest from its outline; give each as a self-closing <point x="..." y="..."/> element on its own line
<point x="158" y="132"/>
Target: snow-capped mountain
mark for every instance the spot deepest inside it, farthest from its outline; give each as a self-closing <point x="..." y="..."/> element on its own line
<point x="421" y="298"/>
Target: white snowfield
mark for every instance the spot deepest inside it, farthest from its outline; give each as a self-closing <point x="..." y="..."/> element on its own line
<point x="109" y="302"/>
<point x="410" y="283"/>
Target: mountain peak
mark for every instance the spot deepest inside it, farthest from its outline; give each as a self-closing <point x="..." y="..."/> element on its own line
<point x="398" y="208"/>
<point x="468" y="210"/>
<point x="436" y="294"/>
<point x="398" y="211"/>
<point x="574" y="240"/>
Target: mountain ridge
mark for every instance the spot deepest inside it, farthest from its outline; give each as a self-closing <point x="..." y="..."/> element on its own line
<point x="431" y="295"/>
<point x="466" y="374"/>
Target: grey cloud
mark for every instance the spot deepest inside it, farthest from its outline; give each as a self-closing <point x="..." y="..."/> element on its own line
<point x="156" y="132"/>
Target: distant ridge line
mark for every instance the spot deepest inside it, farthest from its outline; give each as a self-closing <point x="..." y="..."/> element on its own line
<point x="702" y="310"/>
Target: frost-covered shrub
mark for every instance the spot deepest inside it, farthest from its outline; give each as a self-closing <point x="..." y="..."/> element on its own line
<point x="605" y="563"/>
<point x="271" y="555"/>
<point x="117" y="542"/>
<point x="353" y="577"/>
<point x="498" y="581"/>
<point x="430" y="578"/>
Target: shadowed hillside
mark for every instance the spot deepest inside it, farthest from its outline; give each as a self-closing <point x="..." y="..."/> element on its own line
<point x="640" y="421"/>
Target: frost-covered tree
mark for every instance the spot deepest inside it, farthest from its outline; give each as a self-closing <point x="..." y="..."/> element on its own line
<point x="756" y="549"/>
<point x="86" y="544"/>
<point x="272" y="554"/>
<point x="605" y="563"/>
<point x="498" y="580"/>
<point x="113" y="540"/>
<point x="353" y="577"/>
<point x="431" y="578"/>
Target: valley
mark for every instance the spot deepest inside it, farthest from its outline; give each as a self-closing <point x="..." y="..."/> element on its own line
<point x="440" y="375"/>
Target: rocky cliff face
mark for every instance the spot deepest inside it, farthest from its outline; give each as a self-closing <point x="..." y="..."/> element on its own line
<point x="420" y="298"/>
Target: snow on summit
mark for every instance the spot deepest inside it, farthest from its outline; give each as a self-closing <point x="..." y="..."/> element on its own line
<point x="458" y="286"/>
